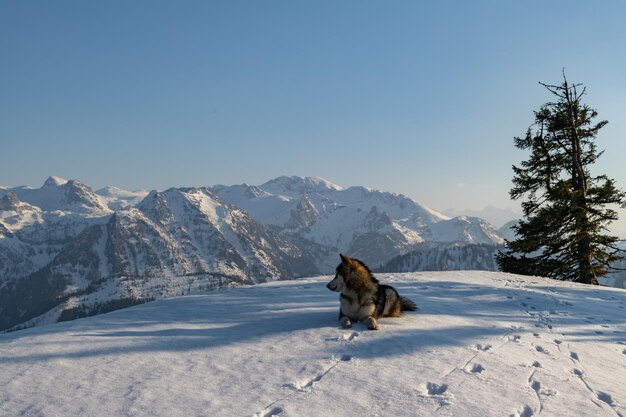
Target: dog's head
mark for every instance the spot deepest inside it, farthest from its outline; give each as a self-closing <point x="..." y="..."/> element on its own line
<point x="342" y="272"/>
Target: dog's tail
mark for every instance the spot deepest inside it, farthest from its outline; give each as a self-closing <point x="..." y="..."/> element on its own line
<point x="407" y="305"/>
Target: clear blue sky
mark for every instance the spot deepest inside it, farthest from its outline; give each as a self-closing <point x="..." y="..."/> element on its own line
<point x="418" y="98"/>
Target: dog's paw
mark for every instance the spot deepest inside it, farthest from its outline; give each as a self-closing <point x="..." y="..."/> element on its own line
<point x="372" y="324"/>
<point x="346" y="323"/>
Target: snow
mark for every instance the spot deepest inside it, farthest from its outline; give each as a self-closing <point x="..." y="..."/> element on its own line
<point x="466" y="229"/>
<point x="54" y="181"/>
<point x="118" y="199"/>
<point x="482" y="344"/>
<point x="57" y="194"/>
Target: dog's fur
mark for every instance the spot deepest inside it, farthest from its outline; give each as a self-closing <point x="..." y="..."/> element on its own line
<point x="362" y="297"/>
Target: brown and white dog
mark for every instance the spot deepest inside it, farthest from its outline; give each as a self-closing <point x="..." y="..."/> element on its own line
<point x="362" y="297"/>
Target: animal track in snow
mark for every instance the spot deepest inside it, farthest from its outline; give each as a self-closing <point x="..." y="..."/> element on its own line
<point x="536" y="364"/>
<point x="526" y="412"/>
<point x="306" y="383"/>
<point x="275" y="411"/>
<point x="434" y="389"/>
<point x="557" y="341"/>
<point x="603" y="396"/>
<point x="350" y="337"/>
<point x="475" y="369"/>
<point x="574" y="355"/>
<point x="483" y="348"/>
<point x="540" y="391"/>
<point x="600" y="395"/>
<point x="540" y="349"/>
<point x="438" y="393"/>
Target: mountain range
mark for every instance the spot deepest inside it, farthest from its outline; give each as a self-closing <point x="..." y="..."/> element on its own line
<point x="68" y="251"/>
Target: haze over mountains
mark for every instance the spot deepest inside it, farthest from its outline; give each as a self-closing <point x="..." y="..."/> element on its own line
<point x="67" y="251"/>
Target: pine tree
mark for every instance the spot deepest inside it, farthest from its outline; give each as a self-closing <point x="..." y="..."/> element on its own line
<point x="563" y="234"/>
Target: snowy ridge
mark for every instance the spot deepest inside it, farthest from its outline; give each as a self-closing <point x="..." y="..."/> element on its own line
<point x="466" y="229"/>
<point x="445" y="257"/>
<point x="482" y="344"/>
<point x="57" y="194"/>
<point x="372" y="225"/>
<point x="118" y="199"/>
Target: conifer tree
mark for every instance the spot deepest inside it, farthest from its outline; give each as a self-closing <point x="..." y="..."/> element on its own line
<point x="563" y="234"/>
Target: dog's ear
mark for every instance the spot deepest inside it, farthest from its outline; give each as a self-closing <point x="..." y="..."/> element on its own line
<point x="344" y="259"/>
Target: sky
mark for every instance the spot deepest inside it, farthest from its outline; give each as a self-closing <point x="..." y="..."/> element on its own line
<point x="419" y="98"/>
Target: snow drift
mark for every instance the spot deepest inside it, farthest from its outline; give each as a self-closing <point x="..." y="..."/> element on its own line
<point x="482" y="344"/>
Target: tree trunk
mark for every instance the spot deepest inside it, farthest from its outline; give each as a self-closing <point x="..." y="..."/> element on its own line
<point x="579" y="184"/>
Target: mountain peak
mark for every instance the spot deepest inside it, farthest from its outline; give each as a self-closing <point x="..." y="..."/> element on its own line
<point x="299" y="185"/>
<point x="54" y="181"/>
<point x="9" y="201"/>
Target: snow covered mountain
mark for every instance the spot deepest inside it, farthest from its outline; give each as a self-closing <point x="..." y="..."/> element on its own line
<point x="494" y="215"/>
<point x="66" y="251"/>
<point x="371" y="225"/>
<point x="57" y="194"/>
<point x="445" y="257"/>
<point x="176" y="241"/>
<point x="506" y="230"/>
<point x="35" y="223"/>
<point x="483" y="344"/>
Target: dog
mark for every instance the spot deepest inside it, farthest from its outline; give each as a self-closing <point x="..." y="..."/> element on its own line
<point x="362" y="297"/>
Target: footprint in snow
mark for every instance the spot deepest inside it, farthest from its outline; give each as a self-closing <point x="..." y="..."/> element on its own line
<point x="536" y="364"/>
<point x="526" y="412"/>
<point x="435" y="389"/>
<point x="540" y="349"/>
<point x="603" y="396"/>
<point x="536" y="385"/>
<point x="475" y="368"/>
<point x="542" y="391"/>
<point x="349" y="337"/>
<point x="574" y="355"/>
<point x="624" y="352"/>
<point x="483" y="348"/>
<point x="275" y="411"/>
<point x="557" y="341"/>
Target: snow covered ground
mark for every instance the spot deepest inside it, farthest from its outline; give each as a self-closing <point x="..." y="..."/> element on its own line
<point x="482" y="344"/>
